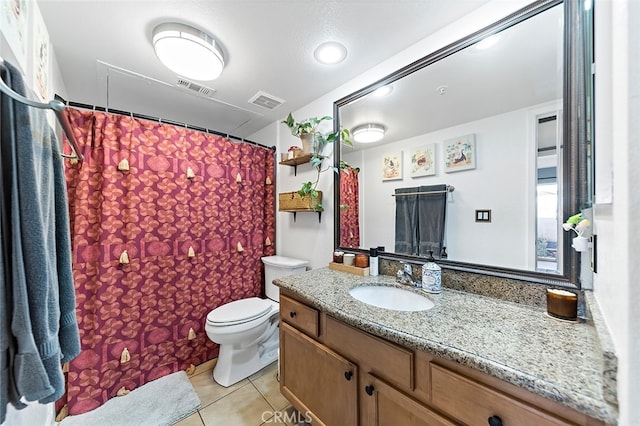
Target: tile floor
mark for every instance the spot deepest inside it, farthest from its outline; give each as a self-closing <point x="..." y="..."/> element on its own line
<point x="253" y="401"/>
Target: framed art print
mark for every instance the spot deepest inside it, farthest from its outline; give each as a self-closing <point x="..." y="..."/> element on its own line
<point x="423" y="161"/>
<point x="392" y="166"/>
<point x="460" y="153"/>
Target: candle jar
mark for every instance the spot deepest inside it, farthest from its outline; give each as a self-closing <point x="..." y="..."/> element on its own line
<point x="362" y="260"/>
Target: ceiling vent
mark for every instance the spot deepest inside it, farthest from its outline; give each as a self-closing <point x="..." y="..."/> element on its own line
<point x="266" y="101"/>
<point x="205" y="91"/>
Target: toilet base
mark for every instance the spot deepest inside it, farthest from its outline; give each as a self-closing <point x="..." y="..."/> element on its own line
<point x="236" y="363"/>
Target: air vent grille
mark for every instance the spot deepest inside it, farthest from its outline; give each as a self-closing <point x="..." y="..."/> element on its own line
<point x="266" y="101"/>
<point x="194" y="87"/>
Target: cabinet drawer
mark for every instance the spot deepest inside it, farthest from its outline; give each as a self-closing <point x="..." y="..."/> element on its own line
<point x="299" y="315"/>
<point x="474" y="403"/>
<point x="384" y="359"/>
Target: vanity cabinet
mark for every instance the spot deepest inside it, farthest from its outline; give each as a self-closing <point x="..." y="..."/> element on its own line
<point x="384" y="405"/>
<point x="321" y="384"/>
<point x="337" y="374"/>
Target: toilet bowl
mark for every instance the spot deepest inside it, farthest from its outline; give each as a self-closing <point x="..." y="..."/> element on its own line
<point x="247" y="329"/>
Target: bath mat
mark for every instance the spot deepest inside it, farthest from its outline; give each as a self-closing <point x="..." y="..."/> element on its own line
<point x="163" y="401"/>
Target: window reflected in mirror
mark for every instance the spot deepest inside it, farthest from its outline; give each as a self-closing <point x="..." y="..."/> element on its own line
<point x="548" y="189"/>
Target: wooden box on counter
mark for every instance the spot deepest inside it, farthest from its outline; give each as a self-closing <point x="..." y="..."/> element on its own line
<point x="364" y="272"/>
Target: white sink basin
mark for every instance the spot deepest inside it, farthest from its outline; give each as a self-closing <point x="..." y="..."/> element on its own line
<point x="393" y="298"/>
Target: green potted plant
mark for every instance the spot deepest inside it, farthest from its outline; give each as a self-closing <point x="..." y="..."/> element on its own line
<point x="305" y="130"/>
<point x="318" y="142"/>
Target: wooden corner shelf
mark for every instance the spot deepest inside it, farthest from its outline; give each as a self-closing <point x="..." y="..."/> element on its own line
<point x="292" y="202"/>
<point x="295" y="161"/>
<point x="304" y="211"/>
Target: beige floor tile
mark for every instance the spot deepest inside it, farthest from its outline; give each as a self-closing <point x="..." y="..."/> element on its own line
<point x="209" y="391"/>
<point x="206" y="366"/>
<point x="243" y="407"/>
<point x="269" y="387"/>
<point x="266" y="370"/>
<point x="192" y="420"/>
<point x="288" y="416"/>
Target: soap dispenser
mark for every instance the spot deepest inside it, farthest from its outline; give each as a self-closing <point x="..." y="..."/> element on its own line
<point x="431" y="275"/>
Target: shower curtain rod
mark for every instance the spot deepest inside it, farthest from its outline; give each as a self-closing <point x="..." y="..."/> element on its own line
<point x="450" y="188"/>
<point x="161" y="120"/>
<point x="56" y="105"/>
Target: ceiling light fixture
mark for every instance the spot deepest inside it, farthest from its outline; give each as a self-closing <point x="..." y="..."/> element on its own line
<point x="383" y="91"/>
<point x="488" y="42"/>
<point x="188" y="51"/>
<point x="330" y="52"/>
<point x="368" y="133"/>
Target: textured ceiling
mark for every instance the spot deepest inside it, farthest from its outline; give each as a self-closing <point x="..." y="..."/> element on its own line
<point x="105" y="55"/>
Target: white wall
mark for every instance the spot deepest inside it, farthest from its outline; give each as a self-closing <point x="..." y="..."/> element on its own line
<point x="306" y="238"/>
<point x="617" y="149"/>
<point x="511" y="200"/>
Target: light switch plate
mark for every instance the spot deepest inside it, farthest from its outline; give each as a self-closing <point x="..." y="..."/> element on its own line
<point x="483" y="216"/>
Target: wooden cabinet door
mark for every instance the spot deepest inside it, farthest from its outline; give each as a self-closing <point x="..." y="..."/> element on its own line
<point x="474" y="403"/>
<point x="383" y="405"/>
<point x="319" y="383"/>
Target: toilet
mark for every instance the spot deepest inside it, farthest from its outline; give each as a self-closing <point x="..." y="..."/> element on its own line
<point x="247" y="329"/>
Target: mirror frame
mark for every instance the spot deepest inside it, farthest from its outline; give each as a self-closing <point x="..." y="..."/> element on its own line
<point x="575" y="161"/>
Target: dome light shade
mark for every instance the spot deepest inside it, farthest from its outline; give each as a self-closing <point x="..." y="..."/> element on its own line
<point x="383" y="91"/>
<point x="368" y="133"/>
<point x="188" y="51"/>
<point x="488" y="42"/>
<point x="330" y="52"/>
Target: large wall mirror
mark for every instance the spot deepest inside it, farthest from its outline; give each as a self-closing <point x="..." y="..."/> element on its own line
<point x="500" y="117"/>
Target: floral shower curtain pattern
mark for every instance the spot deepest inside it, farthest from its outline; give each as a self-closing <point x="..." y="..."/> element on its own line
<point x="349" y="207"/>
<point x="167" y="224"/>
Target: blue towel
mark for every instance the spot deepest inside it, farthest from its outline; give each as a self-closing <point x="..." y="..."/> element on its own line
<point x="420" y="220"/>
<point x="406" y="240"/>
<point x="43" y="321"/>
<point x="432" y="211"/>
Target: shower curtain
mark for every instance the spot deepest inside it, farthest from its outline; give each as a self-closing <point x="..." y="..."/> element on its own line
<point x="349" y="207"/>
<point x="167" y="224"/>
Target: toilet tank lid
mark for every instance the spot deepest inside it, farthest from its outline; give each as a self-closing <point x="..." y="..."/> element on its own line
<point x="284" y="262"/>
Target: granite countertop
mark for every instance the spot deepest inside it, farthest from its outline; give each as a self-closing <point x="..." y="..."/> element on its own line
<point x="517" y="343"/>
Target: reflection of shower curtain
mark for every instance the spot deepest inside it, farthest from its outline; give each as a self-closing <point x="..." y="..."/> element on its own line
<point x="193" y="240"/>
<point x="420" y="219"/>
<point x="349" y="207"/>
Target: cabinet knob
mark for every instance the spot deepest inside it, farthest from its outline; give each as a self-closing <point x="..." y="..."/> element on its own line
<point x="495" y="421"/>
<point x="369" y="390"/>
<point x="292" y="314"/>
<point x="348" y="375"/>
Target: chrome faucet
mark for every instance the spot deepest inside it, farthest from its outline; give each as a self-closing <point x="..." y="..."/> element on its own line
<point x="405" y="275"/>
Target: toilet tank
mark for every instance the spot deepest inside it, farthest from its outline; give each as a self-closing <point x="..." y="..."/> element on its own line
<point x="280" y="266"/>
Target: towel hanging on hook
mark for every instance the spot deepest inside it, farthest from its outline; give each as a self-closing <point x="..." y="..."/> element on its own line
<point x="55" y="105"/>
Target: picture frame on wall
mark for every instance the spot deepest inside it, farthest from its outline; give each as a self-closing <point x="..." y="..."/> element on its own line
<point x="423" y="161"/>
<point x="459" y="153"/>
<point x="392" y="166"/>
<point x="41" y="63"/>
<point x="14" y="20"/>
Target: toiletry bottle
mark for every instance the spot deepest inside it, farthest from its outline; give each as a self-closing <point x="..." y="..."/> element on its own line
<point x="373" y="262"/>
<point x="443" y="253"/>
<point x="431" y="276"/>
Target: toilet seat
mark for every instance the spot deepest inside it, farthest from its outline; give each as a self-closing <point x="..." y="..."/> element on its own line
<point x="239" y="312"/>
